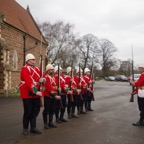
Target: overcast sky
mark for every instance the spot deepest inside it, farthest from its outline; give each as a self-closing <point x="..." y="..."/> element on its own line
<point x="120" y="21"/>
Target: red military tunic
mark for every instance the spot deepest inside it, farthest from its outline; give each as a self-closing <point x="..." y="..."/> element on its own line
<point x="62" y="82"/>
<point x="140" y="82"/>
<point x="50" y="86"/>
<point x="81" y="84"/>
<point x="74" y="84"/>
<point x="29" y="78"/>
<point x="87" y="79"/>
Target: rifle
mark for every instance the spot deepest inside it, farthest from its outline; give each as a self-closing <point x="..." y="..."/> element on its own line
<point x="59" y="85"/>
<point x="71" y="96"/>
<point x="93" y="86"/>
<point x="41" y="75"/>
<point x="133" y="88"/>
<point x="80" y="81"/>
<point x="91" y="76"/>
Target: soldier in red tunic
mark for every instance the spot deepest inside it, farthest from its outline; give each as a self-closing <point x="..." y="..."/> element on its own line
<point x="81" y="85"/>
<point x="29" y="85"/>
<point x="140" y="92"/>
<point x="72" y="98"/>
<point x="50" y="97"/>
<point x="61" y="105"/>
<point x="89" y="91"/>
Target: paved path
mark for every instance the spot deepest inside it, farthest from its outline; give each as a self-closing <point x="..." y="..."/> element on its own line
<point x="110" y="123"/>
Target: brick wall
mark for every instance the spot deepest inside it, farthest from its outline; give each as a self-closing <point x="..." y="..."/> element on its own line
<point x="14" y="39"/>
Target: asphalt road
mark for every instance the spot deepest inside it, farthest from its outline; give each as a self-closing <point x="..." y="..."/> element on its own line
<point x="109" y="123"/>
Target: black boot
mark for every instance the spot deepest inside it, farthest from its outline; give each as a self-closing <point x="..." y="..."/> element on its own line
<point x="86" y="106"/>
<point x="25" y="132"/>
<point x="78" y="110"/>
<point x="35" y="131"/>
<point x="73" y="111"/>
<point x="81" y="110"/>
<point x="69" y="112"/>
<point x="89" y="107"/>
<point x="57" y="118"/>
<point x="74" y="116"/>
<point x="50" y="122"/>
<point x="139" y="123"/>
<point x="46" y="126"/>
<point x="62" y="117"/>
<point x="45" y="121"/>
<point x="69" y="116"/>
<point x="25" y="123"/>
<point x="33" y="127"/>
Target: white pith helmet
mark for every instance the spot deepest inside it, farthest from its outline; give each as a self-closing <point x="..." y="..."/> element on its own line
<point x="49" y="66"/>
<point x="29" y="57"/>
<point x="141" y="65"/>
<point x="68" y="69"/>
<point x="77" y="70"/>
<point x="56" y="68"/>
<point x="86" y="70"/>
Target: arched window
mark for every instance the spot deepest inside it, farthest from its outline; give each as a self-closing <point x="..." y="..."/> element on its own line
<point x="15" y="60"/>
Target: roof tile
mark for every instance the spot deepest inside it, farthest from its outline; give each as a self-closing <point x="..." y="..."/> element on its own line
<point x="20" y="18"/>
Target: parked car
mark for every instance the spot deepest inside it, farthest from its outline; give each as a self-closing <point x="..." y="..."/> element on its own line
<point x="110" y="78"/>
<point x="121" y="78"/>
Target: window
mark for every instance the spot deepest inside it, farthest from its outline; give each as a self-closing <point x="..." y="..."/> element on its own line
<point x="15" y="60"/>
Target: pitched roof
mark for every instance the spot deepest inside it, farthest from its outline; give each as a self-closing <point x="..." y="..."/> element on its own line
<point x="20" y="18"/>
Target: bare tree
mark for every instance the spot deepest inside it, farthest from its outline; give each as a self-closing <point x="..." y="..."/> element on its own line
<point x="126" y="68"/>
<point x="89" y="49"/>
<point x="62" y="41"/>
<point x="107" y="61"/>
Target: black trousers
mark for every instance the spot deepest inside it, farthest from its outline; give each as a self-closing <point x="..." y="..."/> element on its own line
<point x="49" y="105"/>
<point x="82" y="102"/>
<point x="49" y="108"/>
<point x="31" y="111"/>
<point x="60" y="106"/>
<point x="62" y="109"/>
<point x="88" y="100"/>
<point x="78" y="101"/>
<point x="71" y="105"/>
<point x="141" y="107"/>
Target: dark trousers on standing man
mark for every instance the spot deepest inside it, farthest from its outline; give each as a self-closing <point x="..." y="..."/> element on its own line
<point x="31" y="111"/>
<point x="141" y="107"/>
<point x="49" y="109"/>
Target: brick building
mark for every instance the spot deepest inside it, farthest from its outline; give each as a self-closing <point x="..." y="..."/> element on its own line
<point x="19" y="35"/>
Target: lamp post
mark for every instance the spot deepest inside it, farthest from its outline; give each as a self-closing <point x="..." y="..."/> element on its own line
<point x="2" y="18"/>
<point x="25" y="48"/>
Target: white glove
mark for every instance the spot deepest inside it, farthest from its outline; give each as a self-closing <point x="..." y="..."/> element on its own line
<point x="59" y="89"/>
<point x="132" y="82"/>
<point x="90" y="81"/>
<point x="57" y="97"/>
<point x="79" y="90"/>
<point x="39" y="93"/>
<point x="69" y="92"/>
<point x="42" y="80"/>
<point x="88" y="89"/>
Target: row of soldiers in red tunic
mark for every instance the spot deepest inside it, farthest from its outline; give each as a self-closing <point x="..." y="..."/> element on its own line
<point x="60" y="93"/>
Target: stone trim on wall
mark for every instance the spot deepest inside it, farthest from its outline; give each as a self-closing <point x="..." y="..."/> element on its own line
<point x="4" y="64"/>
<point x="3" y="44"/>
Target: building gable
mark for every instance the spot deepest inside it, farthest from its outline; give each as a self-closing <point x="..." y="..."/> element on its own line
<point x="19" y="18"/>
